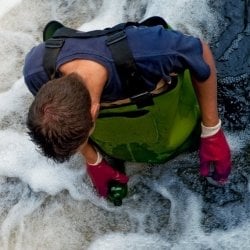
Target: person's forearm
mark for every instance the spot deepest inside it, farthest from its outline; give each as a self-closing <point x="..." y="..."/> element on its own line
<point x="214" y="149"/>
<point x="89" y="153"/>
<point x="206" y="92"/>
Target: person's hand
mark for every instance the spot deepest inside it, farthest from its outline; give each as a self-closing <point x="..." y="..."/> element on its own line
<point x="215" y="157"/>
<point x="101" y="175"/>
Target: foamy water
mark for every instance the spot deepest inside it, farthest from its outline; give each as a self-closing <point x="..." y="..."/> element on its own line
<point x="52" y="206"/>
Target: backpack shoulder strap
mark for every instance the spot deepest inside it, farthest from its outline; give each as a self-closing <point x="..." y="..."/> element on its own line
<point x="55" y="29"/>
<point x="52" y="49"/>
<point x="116" y="41"/>
<point x="54" y="35"/>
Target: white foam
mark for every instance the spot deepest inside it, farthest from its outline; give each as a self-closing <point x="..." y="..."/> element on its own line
<point x="174" y="12"/>
<point x="238" y="238"/>
<point x="15" y="100"/>
<point x="237" y="140"/>
<point x="193" y="17"/>
<point x="106" y="13"/>
<point x="131" y="241"/>
<point x="13" y="45"/>
<point x="20" y="159"/>
<point x="16" y="216"/>
<point x="7" y="5"/>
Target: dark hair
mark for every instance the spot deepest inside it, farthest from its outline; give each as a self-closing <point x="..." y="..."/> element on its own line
<point x="59" y="119"/>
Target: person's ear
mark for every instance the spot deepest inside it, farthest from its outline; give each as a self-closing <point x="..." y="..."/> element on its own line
<point x="95" y="107"/>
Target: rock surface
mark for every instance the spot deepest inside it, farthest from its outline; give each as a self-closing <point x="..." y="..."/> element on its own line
<point x="232" y="54"/>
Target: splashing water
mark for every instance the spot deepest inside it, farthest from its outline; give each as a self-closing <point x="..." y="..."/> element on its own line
<point x="52" y="206"/>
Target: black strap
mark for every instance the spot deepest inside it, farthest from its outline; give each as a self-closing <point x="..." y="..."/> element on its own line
<point x="116" y="41"/>
<point x="55" y="43"/>
<point x="124" y="61"/>
<point x="65" y="32"/>
<point x="52" y="49"/>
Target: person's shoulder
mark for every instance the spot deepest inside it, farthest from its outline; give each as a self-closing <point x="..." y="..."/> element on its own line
<point x="33" y="70"/>
<point x="33" y="59"/>
<point x="144" y="29"/>
<point x="35" y="53"/>
<point x="154" y="32"/>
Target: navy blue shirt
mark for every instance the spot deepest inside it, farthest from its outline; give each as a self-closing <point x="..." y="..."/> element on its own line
<point x="157" y="52"/>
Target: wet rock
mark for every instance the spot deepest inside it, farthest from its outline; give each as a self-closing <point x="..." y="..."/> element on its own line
<point x="223" y="207"/>
<point x="231" y="49"/>
<point x="232" y="192"/>
<point x="154" y="207"/>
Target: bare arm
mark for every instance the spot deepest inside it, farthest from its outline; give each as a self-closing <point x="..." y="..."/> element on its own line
<point x="206" y="91"/>
<point x="89" y="153"/>
<point x="214" y="149"/>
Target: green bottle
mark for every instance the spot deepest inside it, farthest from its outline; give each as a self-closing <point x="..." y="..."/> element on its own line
<point x="117" y="191"/>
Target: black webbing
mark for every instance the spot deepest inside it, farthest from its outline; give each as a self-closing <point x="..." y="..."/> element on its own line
<point x="54" y="44"/>
<point x="125" y="64"/>
<point x="52" y="49"/>
<point x="116" y="41"/>
<point x="65" y="32"/>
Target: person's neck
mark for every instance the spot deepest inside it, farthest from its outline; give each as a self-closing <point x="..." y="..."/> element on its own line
<point x="94" y="76"/>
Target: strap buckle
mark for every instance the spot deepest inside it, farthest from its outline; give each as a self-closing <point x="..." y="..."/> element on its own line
<point x="116" y="37"/>
<point x="53" y="43"/>
<point x="142" y="100"/>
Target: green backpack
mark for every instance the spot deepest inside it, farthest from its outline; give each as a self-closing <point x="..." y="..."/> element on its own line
<point x="154" y="133"/>
<point x="148" y="127"/>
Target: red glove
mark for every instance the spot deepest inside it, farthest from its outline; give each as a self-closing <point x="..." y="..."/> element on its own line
<point x="215" y="158"/>
<point x="101" y="175"/>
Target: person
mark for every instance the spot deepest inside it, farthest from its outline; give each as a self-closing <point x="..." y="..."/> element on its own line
<point x="63" y="114"/>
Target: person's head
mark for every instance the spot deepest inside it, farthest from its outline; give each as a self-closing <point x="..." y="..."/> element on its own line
<point x="59" y="119"/>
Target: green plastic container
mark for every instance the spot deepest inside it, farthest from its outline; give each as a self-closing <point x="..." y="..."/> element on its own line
<point x="168" y="127"/>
